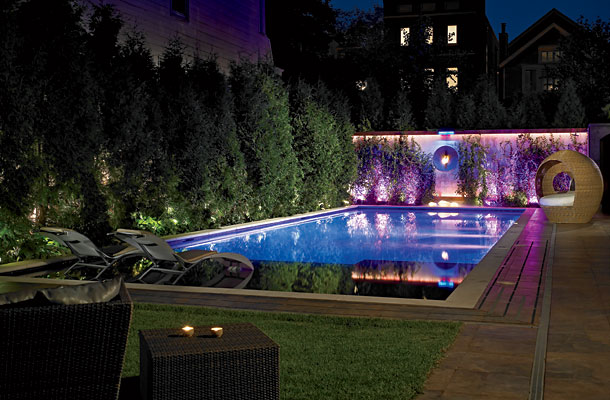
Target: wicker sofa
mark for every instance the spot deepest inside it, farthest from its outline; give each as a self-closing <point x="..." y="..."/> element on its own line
<point x="73" y="351"/>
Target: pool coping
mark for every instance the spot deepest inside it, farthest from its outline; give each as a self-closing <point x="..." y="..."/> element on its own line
<point x="465" y="296"/>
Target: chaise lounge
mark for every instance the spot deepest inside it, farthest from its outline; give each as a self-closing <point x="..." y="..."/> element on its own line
<point x="88" y="254"/>
<point x="170" y="267"/>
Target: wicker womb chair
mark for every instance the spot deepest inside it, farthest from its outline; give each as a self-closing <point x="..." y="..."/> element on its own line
<point x="73" y="351"/>
<point x="576" y="206"/>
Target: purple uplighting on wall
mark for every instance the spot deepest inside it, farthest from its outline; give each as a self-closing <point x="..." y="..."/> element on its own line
<point x="399" y="167"/>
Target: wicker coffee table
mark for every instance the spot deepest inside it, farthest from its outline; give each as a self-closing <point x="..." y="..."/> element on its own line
<point x="242" y="364"/>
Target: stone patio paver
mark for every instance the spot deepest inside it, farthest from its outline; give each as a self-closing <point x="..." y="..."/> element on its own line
<point x="578" y="347"/>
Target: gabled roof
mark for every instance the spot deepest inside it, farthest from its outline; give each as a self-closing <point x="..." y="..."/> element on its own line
<point x="554" y="19"/>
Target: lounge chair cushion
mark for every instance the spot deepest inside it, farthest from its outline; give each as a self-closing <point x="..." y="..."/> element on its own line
<point x="97" y="292"/>
<point x="195" y="255"/>
<point x="558" y="200"/>
<point x="17" y="297"/>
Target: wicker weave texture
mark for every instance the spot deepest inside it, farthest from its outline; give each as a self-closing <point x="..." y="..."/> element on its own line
<point x="588" y="181"/>
<point x="242" y="364"/>
<point x="64" y="351"/>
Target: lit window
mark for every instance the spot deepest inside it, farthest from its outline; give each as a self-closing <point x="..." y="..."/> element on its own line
<point x="452" y="78"/>
<point x="404" y="36"/>
<point x="550" y="83"/>
<point x="452" y="34"/>
<point x="550" y="56"/>
<point x="180" y="8"/>
<point x="428" y="6"/>
<point x="429" y="35"/>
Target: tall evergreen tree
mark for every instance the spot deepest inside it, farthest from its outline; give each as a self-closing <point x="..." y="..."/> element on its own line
<point x="401" y="114"/>
<point x="440" y="107"/>
<point x="221" y="184"/>
<point x="490" y="113"/>
<point x="315" y="145"/>
<point x="370" y="106"/>
<point x="20" y="162"/>
<point x="135" y="154"/>
<point x="570" y="111"/>
<point x="56" y="61"/>
<point x="528" y="112"/>
<point x="266" y="139"/>
<point x="466" y="111"/>
<point x="585" y="56"/>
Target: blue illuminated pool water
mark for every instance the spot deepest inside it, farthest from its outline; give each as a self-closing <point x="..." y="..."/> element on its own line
<point x="420" y="245"/>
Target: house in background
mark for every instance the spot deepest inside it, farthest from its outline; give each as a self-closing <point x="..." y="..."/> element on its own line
<point x="524" y="63"/>
<point x="460" y="25"/>
<point x="230" y="29"/>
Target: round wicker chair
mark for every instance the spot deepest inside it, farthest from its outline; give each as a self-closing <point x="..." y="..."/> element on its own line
<point x="588" y="184"/>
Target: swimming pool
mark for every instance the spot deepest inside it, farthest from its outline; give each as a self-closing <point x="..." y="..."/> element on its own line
<point x="377" y="245"/>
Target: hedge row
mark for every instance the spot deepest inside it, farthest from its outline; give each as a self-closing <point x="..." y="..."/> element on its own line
<point x="95" y="136"/>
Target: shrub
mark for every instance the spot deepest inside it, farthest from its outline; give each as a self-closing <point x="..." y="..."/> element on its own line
<point x="19" y="241"/>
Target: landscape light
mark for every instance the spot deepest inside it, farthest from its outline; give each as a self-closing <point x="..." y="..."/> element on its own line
<point x="188" y="331"/>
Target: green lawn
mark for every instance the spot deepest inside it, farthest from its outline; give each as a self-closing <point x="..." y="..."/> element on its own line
<point x="323" y="357"/>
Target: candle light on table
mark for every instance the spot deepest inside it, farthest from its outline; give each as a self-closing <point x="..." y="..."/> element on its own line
<point x="188" y="331"/>
<point x="217" y="331"/>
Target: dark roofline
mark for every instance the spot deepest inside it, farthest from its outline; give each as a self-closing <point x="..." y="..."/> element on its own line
<point x="540" y="22"/>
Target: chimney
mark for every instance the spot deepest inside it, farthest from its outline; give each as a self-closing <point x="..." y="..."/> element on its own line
<point x="503" y="43"/>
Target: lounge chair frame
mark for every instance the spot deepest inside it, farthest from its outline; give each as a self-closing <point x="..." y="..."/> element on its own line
<point x="88" y="254"/>
<point x="171" y="266"/>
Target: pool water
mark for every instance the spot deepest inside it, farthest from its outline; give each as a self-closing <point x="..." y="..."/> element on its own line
<point x="382" y="245"/>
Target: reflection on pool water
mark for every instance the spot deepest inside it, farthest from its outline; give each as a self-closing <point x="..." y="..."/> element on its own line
<point x="379" y="244"/>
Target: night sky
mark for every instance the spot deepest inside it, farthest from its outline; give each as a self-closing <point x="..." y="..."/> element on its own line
<point x="518" y="14"/>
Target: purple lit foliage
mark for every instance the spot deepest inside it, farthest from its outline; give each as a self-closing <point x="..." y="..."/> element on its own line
<point x="512" y="168"/>
<point x="497" y="172"/>
<point x="397" y="172"/>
